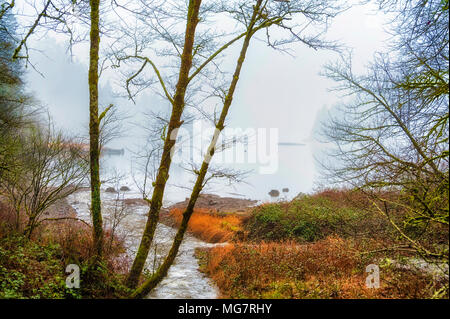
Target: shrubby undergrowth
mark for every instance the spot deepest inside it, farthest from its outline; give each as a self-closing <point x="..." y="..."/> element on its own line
<point x="36" y="268"/>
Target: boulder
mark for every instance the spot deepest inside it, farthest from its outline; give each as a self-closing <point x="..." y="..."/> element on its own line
<point x="274" y="193"/>
<point x="111" y="190"/>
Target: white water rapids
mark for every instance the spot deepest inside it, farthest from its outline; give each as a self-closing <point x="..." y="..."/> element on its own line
<point x="184" y="280"/>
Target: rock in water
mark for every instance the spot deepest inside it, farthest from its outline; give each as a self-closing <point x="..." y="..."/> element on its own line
<point x="274" y="193"/>
<point x="110" y="190"/>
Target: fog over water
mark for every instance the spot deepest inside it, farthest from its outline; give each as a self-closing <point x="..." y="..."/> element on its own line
<point x="275" y="91"/>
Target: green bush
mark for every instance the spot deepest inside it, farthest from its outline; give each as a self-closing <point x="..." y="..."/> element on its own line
<point x="30" y="270"/>
<point x="312" y="218"/>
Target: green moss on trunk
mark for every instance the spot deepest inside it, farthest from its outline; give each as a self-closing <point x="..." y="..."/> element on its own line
<point x="164" y="167"/>
<point x="156" y="278"/>
<point x="94" y="148"/>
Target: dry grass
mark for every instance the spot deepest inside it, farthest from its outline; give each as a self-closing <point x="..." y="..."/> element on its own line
<point x="209" y="227"/>
<point x="73" y="237"/>
<point x="330" y="268"/>
<point x="75" y="240"/>
<point x="36" y="268"/>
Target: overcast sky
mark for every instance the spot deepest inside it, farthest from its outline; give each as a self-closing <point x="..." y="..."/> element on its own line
<point x="275" y="91"/>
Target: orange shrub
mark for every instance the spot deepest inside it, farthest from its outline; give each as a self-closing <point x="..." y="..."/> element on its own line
<point x="73" y="237"/>
<point x="329" y="268"/>
<point x="40" y="263"/>
<point x="210" y="227"/>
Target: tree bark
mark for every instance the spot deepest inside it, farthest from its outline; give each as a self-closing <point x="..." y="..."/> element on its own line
<point x="28" y="231"/>
<point x="94" y="149"/>
<point x="164" y="166"/>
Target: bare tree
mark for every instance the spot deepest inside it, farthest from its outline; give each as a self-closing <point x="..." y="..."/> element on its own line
<point x="392" y="139"/>
<point x="118" y="211"/>
<point x="260" y="16"/>
<point x="77" y="20"/>
<point x="174" y="123"/>
<point x="49" y="167"/>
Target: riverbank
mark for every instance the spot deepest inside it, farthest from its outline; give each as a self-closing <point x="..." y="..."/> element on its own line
<point x="332" y="268"/>
<point x="184" y="280"/>
<point x="36" y="267"/>
<point x="317" y="246"/>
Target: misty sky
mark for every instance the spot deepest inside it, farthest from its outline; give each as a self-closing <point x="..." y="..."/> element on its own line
<point x="275" y="91"/>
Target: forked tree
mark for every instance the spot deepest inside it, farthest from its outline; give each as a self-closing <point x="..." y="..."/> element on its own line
<point x="291" y="17"/>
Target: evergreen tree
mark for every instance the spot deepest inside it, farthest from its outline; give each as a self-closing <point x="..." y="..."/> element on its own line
<point x="13" y="101"/>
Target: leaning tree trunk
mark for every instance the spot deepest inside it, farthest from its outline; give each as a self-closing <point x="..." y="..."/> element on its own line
<point x="29" y="228"/>
<point x="169" y="142"/>
<point x="94" y="149"/>
<point x="161" y="272"/>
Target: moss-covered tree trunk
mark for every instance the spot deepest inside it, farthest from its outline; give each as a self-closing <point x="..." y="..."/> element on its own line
<point x="164" y="166"/>
<point x="161" y="272"/>
<point x="94" y="131"/>
<point x="28" y="231"/>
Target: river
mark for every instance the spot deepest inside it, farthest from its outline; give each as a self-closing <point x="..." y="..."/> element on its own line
<point x="184" y="280"/>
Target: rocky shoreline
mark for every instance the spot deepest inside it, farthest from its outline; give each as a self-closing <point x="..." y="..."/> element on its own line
<point x="207" y="202"/>
<point x="217" y="204"/>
